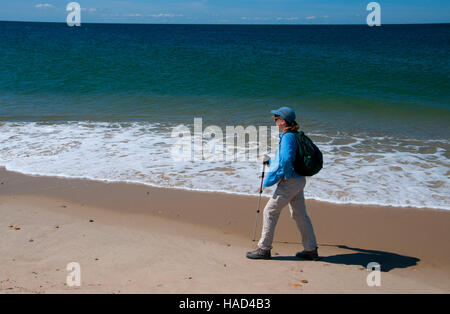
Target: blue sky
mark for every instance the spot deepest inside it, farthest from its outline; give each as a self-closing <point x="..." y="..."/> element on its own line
<point x="228" y="11"/>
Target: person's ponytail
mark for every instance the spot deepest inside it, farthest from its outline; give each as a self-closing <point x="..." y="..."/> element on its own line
<point x="291" y="127"/>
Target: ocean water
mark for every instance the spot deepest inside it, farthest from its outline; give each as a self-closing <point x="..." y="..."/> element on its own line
<point x="101" y="101"/>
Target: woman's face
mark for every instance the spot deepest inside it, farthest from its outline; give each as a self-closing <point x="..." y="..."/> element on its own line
<point x="280" y="122"/>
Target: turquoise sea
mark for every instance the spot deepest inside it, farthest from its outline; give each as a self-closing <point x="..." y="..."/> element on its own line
<point x="100" y="101"/>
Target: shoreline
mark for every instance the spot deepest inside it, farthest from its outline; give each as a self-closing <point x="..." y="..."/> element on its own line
<point x="410" y="244"/>
<point x="107" y="181"/>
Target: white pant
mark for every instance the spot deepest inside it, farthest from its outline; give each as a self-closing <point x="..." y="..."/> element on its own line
<point x="290" y="192"/>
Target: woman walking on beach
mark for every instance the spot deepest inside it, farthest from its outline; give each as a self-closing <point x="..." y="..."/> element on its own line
<point x="289" y="191"/>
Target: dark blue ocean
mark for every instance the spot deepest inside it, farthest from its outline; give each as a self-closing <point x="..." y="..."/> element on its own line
<point x="99" y="101"/>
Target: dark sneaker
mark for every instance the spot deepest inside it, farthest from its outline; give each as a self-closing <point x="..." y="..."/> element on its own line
<point x="259" y="254"/>
<point x="309" y="255"/>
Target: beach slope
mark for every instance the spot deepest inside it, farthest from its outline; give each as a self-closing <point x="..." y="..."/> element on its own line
<point x="131" y="238"/>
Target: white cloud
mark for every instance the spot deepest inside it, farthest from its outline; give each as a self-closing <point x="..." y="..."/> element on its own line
<point x="256" y="18"/>
<point x="91" y="10"/>
<point x="287" y="18"/>
<point x="43" y="5"/>
<point x="165" y="15"/>
<point x="310" y="17"/>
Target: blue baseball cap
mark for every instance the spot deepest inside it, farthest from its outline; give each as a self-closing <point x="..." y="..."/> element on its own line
<point x="286" y="113"/>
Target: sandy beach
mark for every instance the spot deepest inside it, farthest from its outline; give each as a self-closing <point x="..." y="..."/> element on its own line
<point x="132" y="238"/>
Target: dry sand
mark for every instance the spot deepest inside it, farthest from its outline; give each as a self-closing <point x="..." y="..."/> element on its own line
<point x="131" y="238"/>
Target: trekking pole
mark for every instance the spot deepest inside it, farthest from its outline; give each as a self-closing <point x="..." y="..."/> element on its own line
<point x="259" y="199"/>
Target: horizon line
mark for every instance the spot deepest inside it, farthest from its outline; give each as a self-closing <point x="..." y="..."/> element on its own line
<point x="240" y="24"/>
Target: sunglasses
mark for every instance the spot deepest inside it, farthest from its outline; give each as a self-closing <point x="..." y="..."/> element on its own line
<point x="276" y="118"/>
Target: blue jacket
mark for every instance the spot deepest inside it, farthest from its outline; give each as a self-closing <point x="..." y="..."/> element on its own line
<point x="283" y="163"/>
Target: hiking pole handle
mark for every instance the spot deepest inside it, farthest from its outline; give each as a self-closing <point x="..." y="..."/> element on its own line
<point x="262" y="180"/>
<point x="265" y="162"/>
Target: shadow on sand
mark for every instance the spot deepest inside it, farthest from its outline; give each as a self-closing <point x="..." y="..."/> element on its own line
<point x="362" y="257"/>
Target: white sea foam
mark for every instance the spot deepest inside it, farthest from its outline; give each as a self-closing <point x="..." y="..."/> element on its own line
<point x="358" y="169"/>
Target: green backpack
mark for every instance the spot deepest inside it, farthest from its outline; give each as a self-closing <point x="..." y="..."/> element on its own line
<point x="309" y="159"/>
